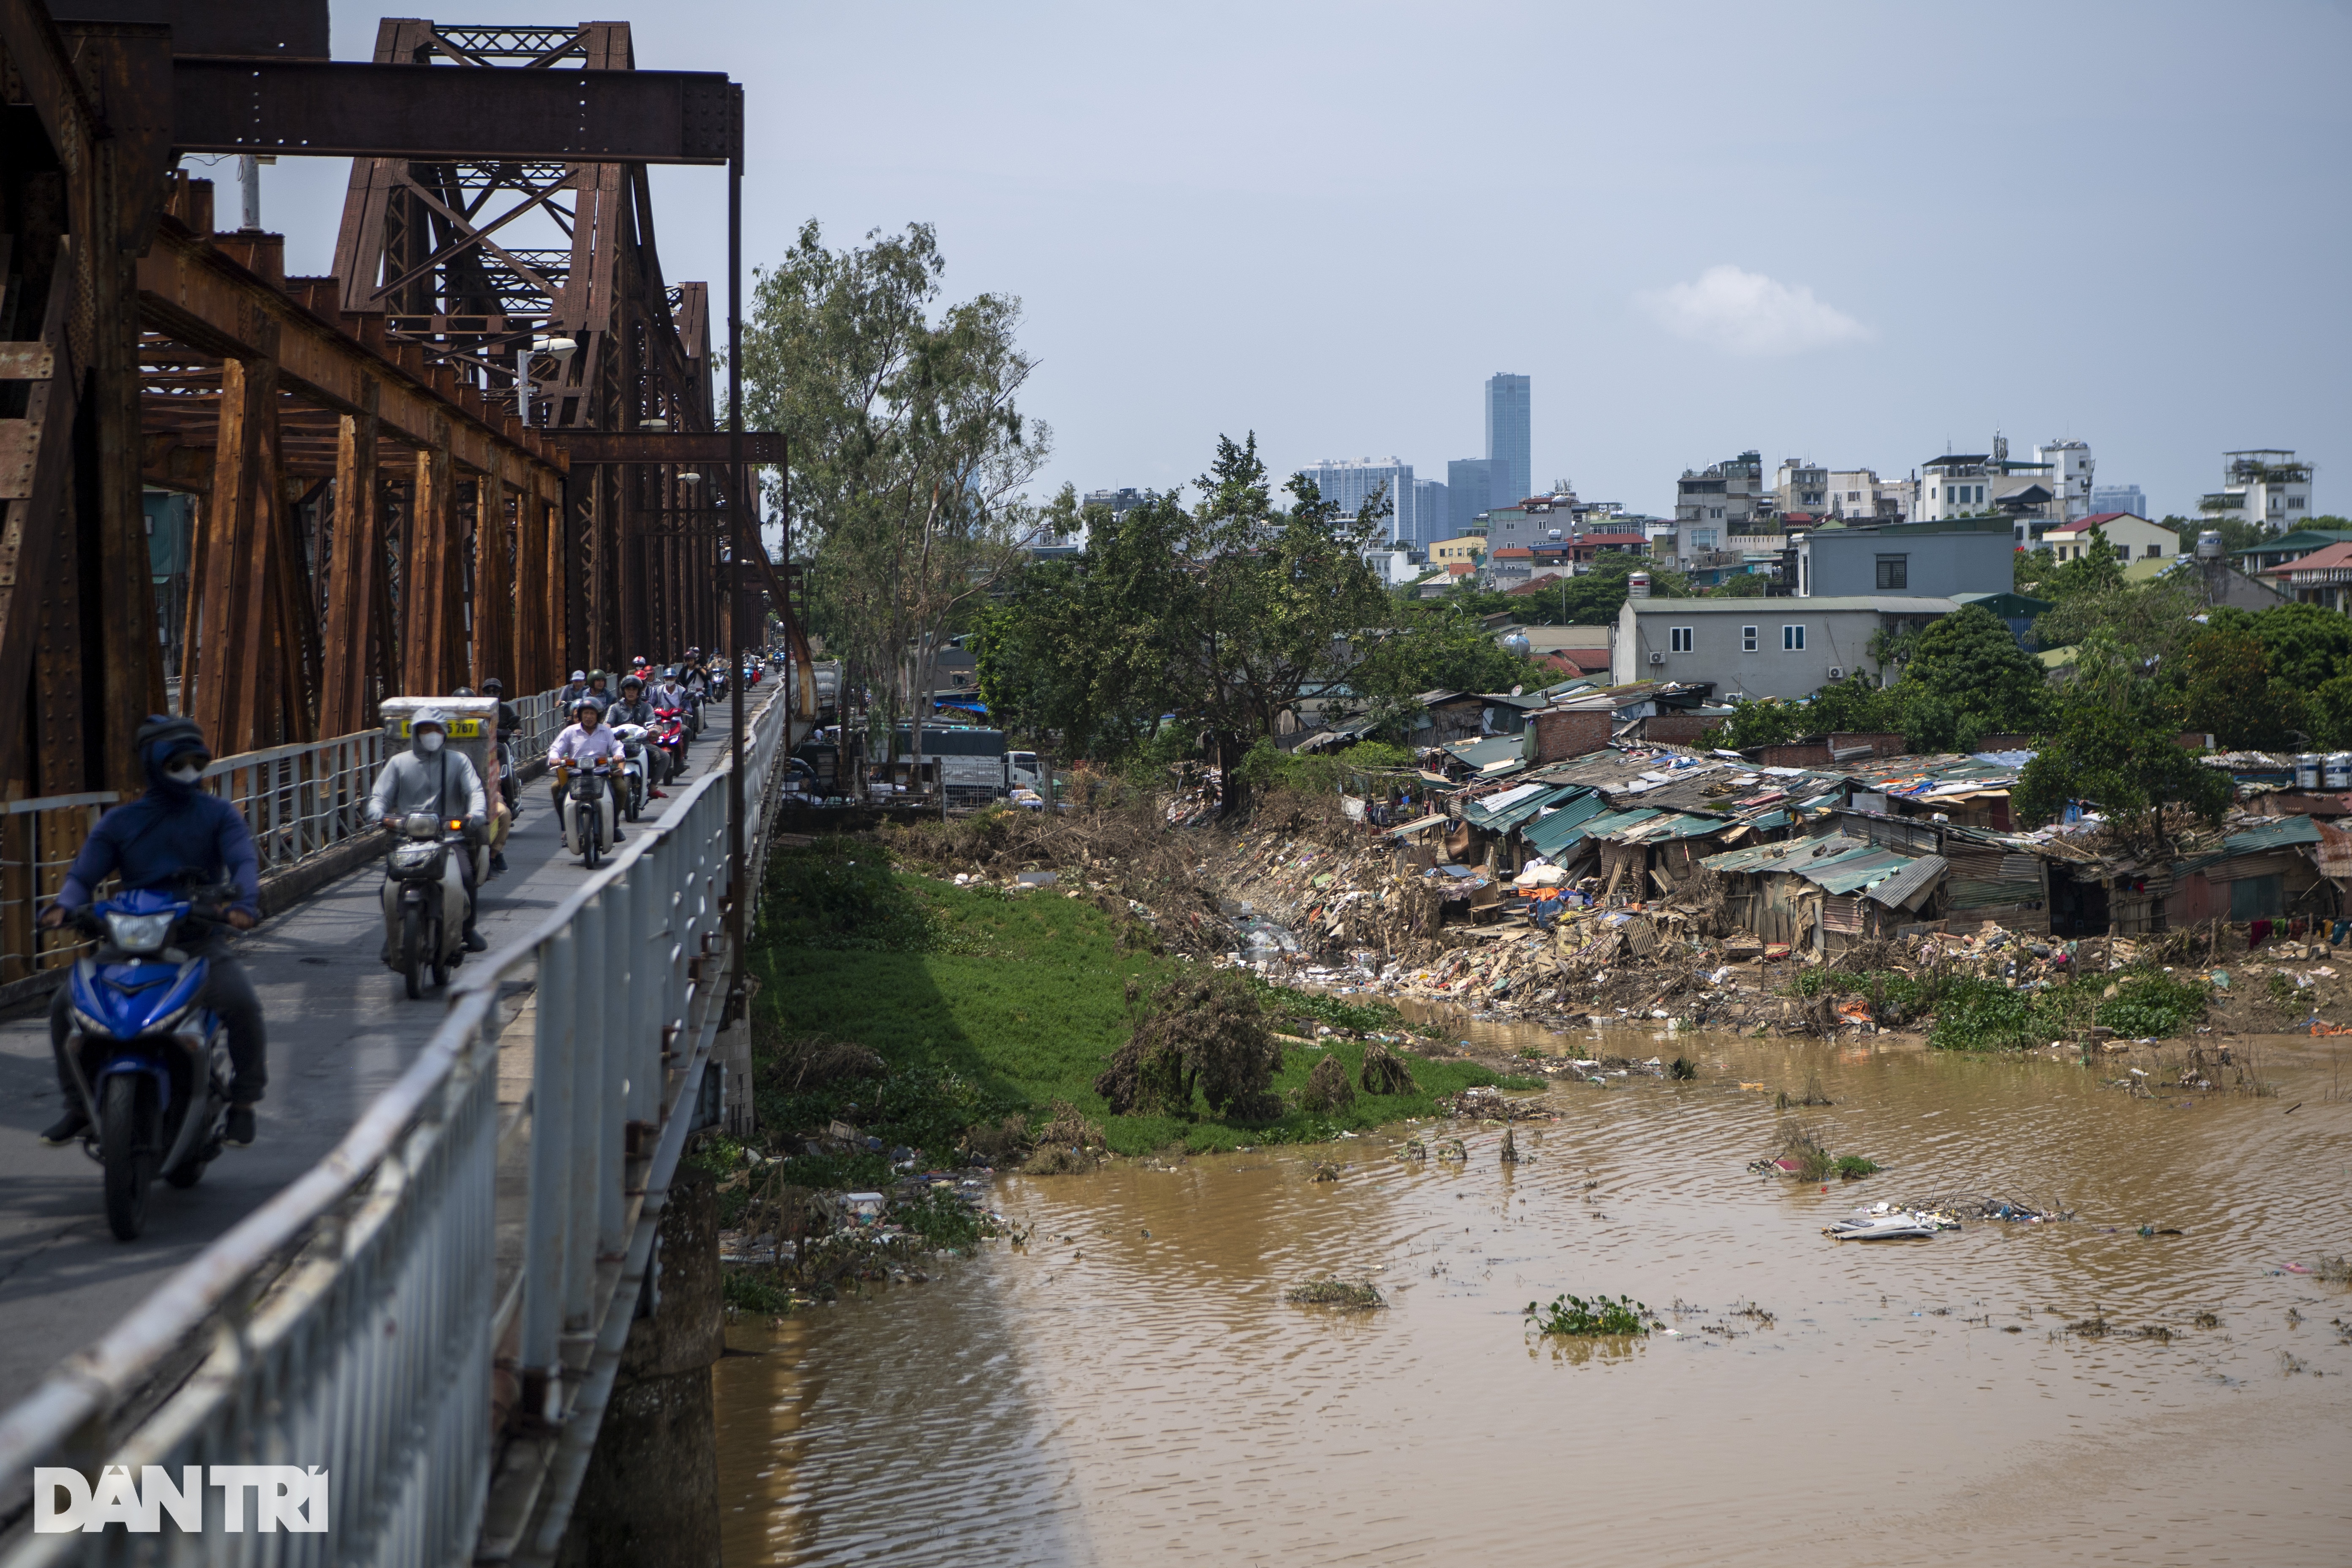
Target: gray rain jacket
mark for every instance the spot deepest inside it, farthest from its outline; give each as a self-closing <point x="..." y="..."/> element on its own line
<point x="414" y="782"/>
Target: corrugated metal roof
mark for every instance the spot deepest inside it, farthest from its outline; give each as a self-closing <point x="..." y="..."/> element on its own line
<point x="1521" y="807"/>
<point x="1912" y="881"/>
<point x="1783" y="856"/>
<point x="1851" y="873"/>
<point x="2283" y="833"/>
<point x="1573" y="821"/>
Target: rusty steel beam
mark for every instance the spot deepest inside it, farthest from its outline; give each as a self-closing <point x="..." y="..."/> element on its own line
<point x="587" y="446"/>
<point x="189" y="292"/>
<point x="347" y="109"/>
<point x="348" y="700"/>
<point x="281" y="29"/>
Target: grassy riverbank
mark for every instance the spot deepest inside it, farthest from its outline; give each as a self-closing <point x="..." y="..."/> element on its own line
<point x="982" y="1005"/>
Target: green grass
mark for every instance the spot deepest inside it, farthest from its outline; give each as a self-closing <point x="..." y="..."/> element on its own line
<point x="984" y="1003"/>
<point x="1972" y="1014"/>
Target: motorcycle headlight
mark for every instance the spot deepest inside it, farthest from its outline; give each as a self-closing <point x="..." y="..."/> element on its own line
<point x="139" y="934"/>
<point x="420" y="825"/>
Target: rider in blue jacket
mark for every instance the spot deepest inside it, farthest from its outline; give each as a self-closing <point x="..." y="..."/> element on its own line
<point x="174" y="834"/>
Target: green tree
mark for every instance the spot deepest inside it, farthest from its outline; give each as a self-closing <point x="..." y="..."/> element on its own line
<point x="909" y="455"/>
<point x="1433" y="647"/>
<point x="2227" y="686"/>
<point x="2098" y="570"/>
<point x="1968" y="665"/>
<point x="2115" y="749"/>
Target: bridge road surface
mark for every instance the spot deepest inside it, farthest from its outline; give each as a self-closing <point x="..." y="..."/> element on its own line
<point x="340" y="1030"/>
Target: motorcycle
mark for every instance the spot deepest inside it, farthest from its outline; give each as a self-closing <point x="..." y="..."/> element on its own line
<point x="152" y="1065"/>
<point x="668" y="735"/>
<point x="423" y="898"/>
<point x="630" y="783"/>
<point x="588" y="825"/>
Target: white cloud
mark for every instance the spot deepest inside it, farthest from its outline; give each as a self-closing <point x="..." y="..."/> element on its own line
<point x="1746" y="313"/>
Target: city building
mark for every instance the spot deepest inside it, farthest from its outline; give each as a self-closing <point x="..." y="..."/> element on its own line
<point x="1731" y="494"/>
<point x="1510" y="474"/>
<point x="1928" y="559"/>
<point x="1802" y="487"/>
<point x="1119" y="501"/>
<point x="2070" y="466"/>
<point x="1465" y="550"/>
<point x="1396" y="564"/>
<point x="2119" y="497"/>
<point x="2289" y="547"/>
<point x="2324" y="578"/>
<point x="1990" y="484"/>
<point x="1349" y="484"/>
<point x="2131" y="538"/>
<point x="1759" y="648"/>
<point x="1431" y="513"/>
<point x="1469" y="484"/>
<point x="2262" y="484"/>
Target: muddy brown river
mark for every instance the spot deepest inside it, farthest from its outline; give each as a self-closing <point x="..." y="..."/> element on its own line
<point x="1131" y="1387"/>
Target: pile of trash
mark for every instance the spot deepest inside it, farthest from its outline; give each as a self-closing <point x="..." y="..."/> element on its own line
<point x="1890" y="1222"/>
<point x="1485" y="1103"/>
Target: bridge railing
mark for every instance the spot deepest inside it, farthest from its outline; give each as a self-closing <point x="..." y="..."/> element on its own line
<point x="356" y="1322"/>
<point x="298" y="801"/>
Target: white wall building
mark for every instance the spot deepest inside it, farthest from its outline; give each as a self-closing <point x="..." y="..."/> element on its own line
<point x="2262" y="484"/>
<point x="2070" y="466"/>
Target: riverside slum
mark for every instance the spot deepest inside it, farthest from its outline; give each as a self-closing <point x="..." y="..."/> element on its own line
<point x="1579" y="872"/>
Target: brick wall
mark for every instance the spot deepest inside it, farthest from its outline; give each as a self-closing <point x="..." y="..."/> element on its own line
<point x="1882" y="743"/>
<point x="1676" y="729"/>
<point x="1801" y="754"/>
<point x="1560" y="736"/>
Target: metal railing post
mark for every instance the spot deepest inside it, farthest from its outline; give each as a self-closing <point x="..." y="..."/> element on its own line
<point x="544" y="1239"/>
<point x="586" y="1070"/>
<point x="612" y="1071"/>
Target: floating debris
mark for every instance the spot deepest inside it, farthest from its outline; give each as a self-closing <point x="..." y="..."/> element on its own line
<point x="1348" y="1295"/>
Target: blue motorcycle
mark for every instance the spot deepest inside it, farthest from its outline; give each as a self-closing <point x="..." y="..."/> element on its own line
<point x="152" y="1065"/>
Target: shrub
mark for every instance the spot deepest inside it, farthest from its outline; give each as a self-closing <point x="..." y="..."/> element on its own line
<point x="1384" y="1072"/>
<point x="1328" y="1089"/>
<point x="1594" y="1319"/>
<point x="1205" y="1033"/>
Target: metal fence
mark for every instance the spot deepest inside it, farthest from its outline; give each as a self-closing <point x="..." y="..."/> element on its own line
<point x="297" y="800"/>
<point x="351" y="1318"/>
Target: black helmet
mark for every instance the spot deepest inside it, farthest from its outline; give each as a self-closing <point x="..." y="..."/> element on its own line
<point x="631" y="683"/>
<point x="463" y="692"/>
<point x="168" y="735"/>
<point x="493" y="686"/>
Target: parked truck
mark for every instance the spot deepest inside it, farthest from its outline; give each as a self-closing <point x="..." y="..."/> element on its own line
<point x="975" y="765"/>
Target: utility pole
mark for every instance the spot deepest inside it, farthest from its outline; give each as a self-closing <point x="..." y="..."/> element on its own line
<point x="738" y="881"/>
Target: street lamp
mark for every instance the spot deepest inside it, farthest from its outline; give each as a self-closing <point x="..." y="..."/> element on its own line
<point x="560" y="350"/>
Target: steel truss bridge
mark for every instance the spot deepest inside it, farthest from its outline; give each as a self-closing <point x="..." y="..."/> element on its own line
<point x="269" y="502"/>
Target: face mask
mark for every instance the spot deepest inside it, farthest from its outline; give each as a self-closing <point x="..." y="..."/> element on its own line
<point x="187" y="774"/>
<point x="429" y="741"/>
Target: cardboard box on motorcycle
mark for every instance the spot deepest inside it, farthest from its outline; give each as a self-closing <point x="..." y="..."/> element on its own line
<point x="473" y="731"/>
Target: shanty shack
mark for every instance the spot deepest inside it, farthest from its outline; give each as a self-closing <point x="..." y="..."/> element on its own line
<point x="1825" y="892"/>
<point x="2266" y="872"/>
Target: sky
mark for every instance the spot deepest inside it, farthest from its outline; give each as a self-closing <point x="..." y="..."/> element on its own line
<point x="1862" y="233"/>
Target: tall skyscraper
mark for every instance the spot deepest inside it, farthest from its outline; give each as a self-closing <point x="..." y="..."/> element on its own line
<point x="1469" y="484"/>
<point x="1350" y="484"/>
<point x="1432" y="513"/>
<point x="2119" y="497"/>
<point x="1511" y="474"/>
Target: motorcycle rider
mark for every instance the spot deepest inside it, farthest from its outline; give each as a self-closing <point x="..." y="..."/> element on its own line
<point x="633" y="709"/>
<point x="431" y="776"/>
<point x="598" y="692"/>
<point x="175" y="833"/>
<point x="509" y="726"/>
<point x="586" y="741"/>
<point x="577" y="689"/>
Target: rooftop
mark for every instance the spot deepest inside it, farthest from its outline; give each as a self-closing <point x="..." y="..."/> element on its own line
<point x="1885" y="603"/>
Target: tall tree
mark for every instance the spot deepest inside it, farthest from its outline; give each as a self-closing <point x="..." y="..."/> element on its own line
<point x="909" y="455"/>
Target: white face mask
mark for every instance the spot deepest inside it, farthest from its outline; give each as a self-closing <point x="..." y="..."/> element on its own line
<point x="429" y="741"/>
<point x="186" y="774"/>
